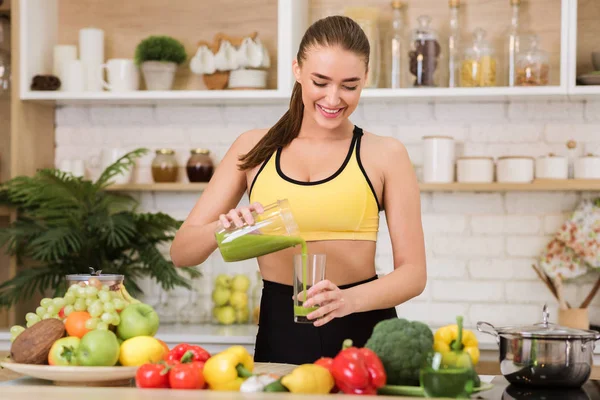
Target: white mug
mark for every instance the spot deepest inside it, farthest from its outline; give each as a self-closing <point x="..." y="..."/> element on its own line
<point x="123" y="75"/>
<point x="74" y="76"/>
<point x="110" y="156"/>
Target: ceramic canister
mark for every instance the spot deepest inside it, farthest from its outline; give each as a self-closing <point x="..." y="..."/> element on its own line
<point x="519" y="169"/>
<point x="552" y="166"/>
<point x="475" y="169"/>
<point x="438" y="159"/>
<point x="587" y="167"/>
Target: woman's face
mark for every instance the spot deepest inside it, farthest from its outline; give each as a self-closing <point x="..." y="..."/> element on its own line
<point x="332" y="80"/>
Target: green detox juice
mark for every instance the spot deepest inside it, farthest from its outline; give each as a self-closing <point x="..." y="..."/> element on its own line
<point x="249" y="246"/>
<point x="456" y="383"/>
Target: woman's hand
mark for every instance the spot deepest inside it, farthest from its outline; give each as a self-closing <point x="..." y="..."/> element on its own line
<point x="332" y="302"/>
<point x="235" y="215"/>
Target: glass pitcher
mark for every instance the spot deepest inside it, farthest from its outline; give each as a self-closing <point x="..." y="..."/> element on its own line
<point x="274" y="229"/>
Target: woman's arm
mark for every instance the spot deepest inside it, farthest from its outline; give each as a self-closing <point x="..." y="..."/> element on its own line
<point x="402" y="204"/>
<point x="195" y="240"/>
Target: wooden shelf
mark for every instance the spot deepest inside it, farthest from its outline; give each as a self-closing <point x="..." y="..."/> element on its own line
<point x="282" y="96"/>
<point x="159" y="187"/>
<point x="4" y="211"/>
<point x="158" y="97"/>
<point x="540" y="185"/>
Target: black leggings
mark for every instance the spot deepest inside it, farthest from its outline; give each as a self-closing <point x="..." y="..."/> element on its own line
<point x="280" y="339"/>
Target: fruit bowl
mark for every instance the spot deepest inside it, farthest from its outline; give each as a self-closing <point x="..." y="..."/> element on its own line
<point x="75" y="375"/>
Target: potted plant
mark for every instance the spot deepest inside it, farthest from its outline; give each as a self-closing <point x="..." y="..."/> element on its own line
<point x="66" y="224"/>
<point x="158" y="57"/>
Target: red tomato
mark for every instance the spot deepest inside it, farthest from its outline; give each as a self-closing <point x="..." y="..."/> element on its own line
<point x="187" y="376"/>
<point x="152" y="376"/>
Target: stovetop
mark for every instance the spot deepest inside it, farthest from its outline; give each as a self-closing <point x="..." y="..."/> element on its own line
<point x="503" y="390"/>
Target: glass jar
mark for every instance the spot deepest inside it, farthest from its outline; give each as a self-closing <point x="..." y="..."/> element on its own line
<point x="396" y="47"/>
<point x="5" y="70"/>
<point x="231" y="299"/>
<point x="199" y="166"/>
<point x="478" y="67"/>
<point x="424" y="54"/>
<point x="532" y="64"/>
<point x="273" y="230"/>
<point x="368" y="19"/>
<point x="164" y="166"/>
<point x="256" y="298"/>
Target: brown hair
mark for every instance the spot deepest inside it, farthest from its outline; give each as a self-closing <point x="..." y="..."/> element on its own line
<point x="330" y="31"/>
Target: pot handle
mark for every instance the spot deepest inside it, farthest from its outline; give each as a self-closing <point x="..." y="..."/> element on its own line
<point x="486" y="327"/>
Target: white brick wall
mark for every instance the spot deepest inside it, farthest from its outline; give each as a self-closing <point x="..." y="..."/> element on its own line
<point x="480" y="246"/>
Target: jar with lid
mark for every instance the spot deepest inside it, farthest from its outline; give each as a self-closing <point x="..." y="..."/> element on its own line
<point x="164" y="166"/>
<point x="424" y="54"/>
<point x="478" y="67"/>
<point x="199" y="166"/>
<point x="532" y="63"/>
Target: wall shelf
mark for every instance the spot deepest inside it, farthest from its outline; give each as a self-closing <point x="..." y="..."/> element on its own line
<point x="539" y="185"/>
<point x="159" y="187"/>
<point x="42" y="27"/>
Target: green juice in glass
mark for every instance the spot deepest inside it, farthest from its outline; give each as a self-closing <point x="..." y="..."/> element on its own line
<point x="456" y="383"/>
<point x="249" y="246"/>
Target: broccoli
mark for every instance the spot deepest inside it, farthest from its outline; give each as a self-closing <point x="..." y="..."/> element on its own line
<point x="403" y="347"/>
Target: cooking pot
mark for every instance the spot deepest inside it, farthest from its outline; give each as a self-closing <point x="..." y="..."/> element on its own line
<point x="544" y="354"/>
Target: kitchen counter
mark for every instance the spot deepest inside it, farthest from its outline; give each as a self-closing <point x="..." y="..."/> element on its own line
<point x="501" y="390"/>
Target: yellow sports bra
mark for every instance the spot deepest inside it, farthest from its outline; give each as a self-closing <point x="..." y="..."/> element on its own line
<point x="343" y="206"/>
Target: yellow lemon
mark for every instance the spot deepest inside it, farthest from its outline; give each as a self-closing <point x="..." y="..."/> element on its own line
<point x="141" y="350"/>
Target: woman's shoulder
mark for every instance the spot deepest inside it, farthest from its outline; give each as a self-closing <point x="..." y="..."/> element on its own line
<point x="382" y="147"/>
<point x="248" y="139"/>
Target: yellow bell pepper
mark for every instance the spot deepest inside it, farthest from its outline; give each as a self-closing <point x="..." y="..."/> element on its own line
<point x="445" y="336"/>
<point x="309" y="378"/>
<point x="228" y="369"/>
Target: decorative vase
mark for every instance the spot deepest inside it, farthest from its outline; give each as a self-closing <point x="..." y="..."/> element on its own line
<point x="159" y="75"/>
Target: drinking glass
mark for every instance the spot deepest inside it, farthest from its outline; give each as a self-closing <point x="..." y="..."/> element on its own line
<point x="448" y="375"/>
<point x="309" y="269"/>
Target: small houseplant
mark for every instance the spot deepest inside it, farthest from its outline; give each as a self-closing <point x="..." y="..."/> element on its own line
<point x="66" y="224"/>
<point x="158" y="57"/>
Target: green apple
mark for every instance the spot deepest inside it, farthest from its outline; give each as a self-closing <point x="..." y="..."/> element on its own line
<point x="238" y="300"/>
<point x="63" y="351"/>
<point x="225" y="315"/>
<point x="240" y="283"/>
<point x="242" y="315"/>
<point x="138" y="319"/>
<point x="221" y="296"/>
<point x="98" y="348"/>
<point x="223" y="280"/>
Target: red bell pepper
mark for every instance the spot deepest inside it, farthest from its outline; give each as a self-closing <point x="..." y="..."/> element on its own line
<point x="358" y="370"/>
<point x="178" y="352"/>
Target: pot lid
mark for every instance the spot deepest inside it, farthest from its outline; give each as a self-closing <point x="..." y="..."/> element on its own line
<point x="547" y="330"/>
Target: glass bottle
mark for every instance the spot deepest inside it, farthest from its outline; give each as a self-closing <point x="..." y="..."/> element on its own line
<point x="424" y="54"/>
<point x="256" y="298"/>
<point x="454" y="45"/>
<point x="368" y="19"/>
<point x="512" y="43"/>
<point x="199" y="166"/>
<point x="396" y="47"/>
<point x="478" y="68"/>
<point x="532" y="64"/>
<point x="5" y="72"/>
<point x="164" y="166"/>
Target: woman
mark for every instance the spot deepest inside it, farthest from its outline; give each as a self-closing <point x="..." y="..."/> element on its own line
<point x="328" y="168"/>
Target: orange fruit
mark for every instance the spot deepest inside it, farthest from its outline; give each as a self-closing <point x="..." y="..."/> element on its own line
<point x="75" y="323"/>
<point x="164" y="345"/>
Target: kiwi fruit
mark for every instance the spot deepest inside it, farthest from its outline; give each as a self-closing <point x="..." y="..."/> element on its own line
<point x="34" y="343"/>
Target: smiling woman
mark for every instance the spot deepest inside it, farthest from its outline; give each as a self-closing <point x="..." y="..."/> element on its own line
<point x="337" y="179"/>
